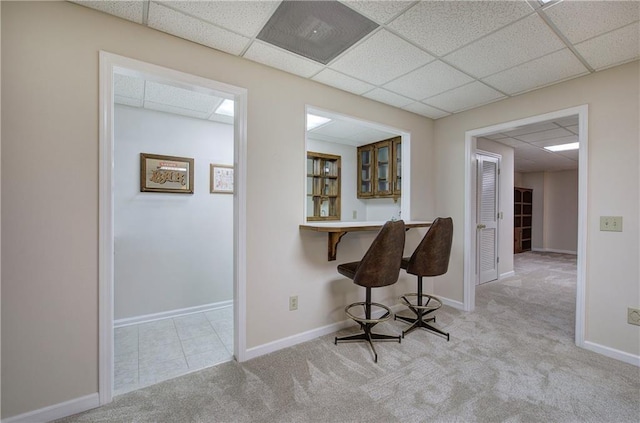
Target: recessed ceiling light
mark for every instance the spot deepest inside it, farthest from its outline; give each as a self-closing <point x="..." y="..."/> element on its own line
<point x="225" y="108"/>
<point x="564" y="147"/>
<point x="314" y="121"/>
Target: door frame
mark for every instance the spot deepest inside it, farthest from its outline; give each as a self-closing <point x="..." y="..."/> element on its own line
<point x="582" y="112"/>
<point x="498" y="158"/>
<point x="108" y="63"/>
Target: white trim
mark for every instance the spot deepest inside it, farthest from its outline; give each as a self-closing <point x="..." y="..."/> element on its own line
<point x="108" y="64"/>
<point x="507" y="274"/>
<point x="146" y="318"/>
<point x="613" y="353"/>
<point x="470" y="196"/>
<point x="452" y="303"/>
<point x="57" y="411"/>
<point x="553" y="250"/>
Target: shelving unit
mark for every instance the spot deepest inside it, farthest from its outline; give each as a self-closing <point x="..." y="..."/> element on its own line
<point x="323" y="187"/>
<point x="380" y="169"/>
<point x="522" y="219"/>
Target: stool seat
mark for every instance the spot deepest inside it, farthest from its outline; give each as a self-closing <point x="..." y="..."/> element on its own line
<point x="348" y="269"/>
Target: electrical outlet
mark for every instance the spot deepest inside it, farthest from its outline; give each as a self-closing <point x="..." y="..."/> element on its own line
<point x="293" y="303"/>
<point x="611" y="223"/>
<point x="633" y="316"/>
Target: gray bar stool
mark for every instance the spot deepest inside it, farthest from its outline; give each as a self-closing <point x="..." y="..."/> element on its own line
<point x="430" y="258"/>
<point x="379" y="267"/>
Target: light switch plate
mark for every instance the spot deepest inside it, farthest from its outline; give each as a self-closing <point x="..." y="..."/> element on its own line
<point x="611" y="223"/>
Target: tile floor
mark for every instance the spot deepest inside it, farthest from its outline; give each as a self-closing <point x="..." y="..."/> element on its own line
<point x="149" y="353"/>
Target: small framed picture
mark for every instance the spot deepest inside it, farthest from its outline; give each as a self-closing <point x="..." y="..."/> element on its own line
<point x="221" y="179"/>
<point x="166" y="174"/>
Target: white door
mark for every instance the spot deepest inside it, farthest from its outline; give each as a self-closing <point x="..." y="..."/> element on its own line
<point x="487" y="218"/>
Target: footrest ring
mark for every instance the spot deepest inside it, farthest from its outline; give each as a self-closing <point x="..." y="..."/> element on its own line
<point x="359" y="319"/>
<point x="432" y="303"/>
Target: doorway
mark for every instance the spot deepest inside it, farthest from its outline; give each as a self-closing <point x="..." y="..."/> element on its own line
<point x="184" y="316"/>
<point x="470" y="251"/>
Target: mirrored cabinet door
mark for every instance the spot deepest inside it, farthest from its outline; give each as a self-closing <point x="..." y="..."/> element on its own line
<point x="323" y="186"/>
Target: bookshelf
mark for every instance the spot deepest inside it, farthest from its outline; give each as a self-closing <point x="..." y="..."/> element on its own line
<point x="522" y="219"/>
<point x="323" y="186"/>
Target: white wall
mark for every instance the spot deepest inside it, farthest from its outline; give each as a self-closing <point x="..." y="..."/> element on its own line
<point x="172" y="251"/>
<point x="50" y="290"/>
<point x="505" y="193"/>
<point x="613" y="171"/>
<point x="555" y="210"/>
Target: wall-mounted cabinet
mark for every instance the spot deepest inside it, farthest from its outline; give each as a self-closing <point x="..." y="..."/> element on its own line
<point x="522" y="219"/>
<point x="380" y="169"/>
<point x="323" y="187"/>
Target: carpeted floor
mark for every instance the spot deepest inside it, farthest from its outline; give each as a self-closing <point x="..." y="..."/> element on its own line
<point x="511" y="360"/>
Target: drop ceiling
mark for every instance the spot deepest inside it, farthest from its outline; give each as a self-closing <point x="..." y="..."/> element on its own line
<point x="433" y="58"/>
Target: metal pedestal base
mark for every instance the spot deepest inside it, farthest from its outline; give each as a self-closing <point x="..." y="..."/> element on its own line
<point x="421" y="311"/>
<point x="367" y="324"/>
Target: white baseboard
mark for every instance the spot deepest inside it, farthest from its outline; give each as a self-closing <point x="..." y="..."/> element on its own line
<point x="506" y="275"/>
<point x="57" y="411"/>
<point x="452" y="303"/>
<point x="171" y="313"/>
<point x="553" y="250"/>
<point x="612" y="353"/>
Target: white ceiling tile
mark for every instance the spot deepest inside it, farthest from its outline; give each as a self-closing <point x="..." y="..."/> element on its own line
<point x="127" y="101"/>
<point x="183" y="26"/>
<point x="429" y="80"/>
<point x="554" y="67"/>
<point x="568" y="121"/>
<point x="337" y="128"/>
<point x="495" y="137"/>
<point x="369" y="60"/>
<point x="179" y="97"/>
<point x="387" y="97"/>
<point x="529" y="129"/>
<point x="379" y="11"/>
<point x="465" y="97"/>
<point x="581" y="20"/>
<point x="424" y="110"/>
<point x="613" y="48"/>
<point x="443" y="26"/>
<point x="128" y="86"/>
<point x="521" y="42"/>
<point x="570" y="154"/>
<point x="344" y="82"/>
<point x="511" y="142"/>
<point x="244" y="17"/>
<point x="545" y="135"/>
<point x="175" y="110"/>
<point x="573" y="128"/>
<point x="130" y="10"/>
<point x="555" y="141"/>
<point x="368" y="135"/>
<point x="280" y="59"/>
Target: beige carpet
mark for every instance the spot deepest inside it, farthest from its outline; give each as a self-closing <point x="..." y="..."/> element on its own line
<point x="511" y="360"/>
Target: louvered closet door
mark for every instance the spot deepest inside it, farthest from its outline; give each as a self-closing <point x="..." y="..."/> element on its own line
<point x="487" y="218"/>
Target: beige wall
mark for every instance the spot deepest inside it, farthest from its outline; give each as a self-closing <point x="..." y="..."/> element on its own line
<point x="50" y="194"/>
<point x="612" y="258"/>
<point x="505" y="181"/>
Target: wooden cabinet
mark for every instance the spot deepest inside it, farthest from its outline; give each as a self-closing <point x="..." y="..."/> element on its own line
<point x="380" y="169"/>
<point x="323" y="187"/>
<point x="522" y="219"/>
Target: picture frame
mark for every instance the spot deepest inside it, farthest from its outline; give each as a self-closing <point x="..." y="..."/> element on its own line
<point x="166" y="174"/>
<point x="221" y="179"/>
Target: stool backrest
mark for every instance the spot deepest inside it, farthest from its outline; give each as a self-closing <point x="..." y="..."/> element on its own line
<point x="380" y="265"/>
<point x="431" y="257"/>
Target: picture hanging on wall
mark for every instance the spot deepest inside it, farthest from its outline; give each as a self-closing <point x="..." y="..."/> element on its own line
<point x="221" y="179"/>
<point x="166" y="174"/>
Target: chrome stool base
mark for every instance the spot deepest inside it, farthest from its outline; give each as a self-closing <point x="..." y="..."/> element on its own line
<point x="367" y="324"/>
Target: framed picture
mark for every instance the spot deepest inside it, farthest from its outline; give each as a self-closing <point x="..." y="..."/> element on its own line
<point x="221" y="179"/>
<point x="166" y="174"/>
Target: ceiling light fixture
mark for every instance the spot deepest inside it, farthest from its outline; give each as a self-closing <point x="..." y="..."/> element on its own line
<point x="314" y="121"/>
<point x="563" y="147"/>
<point x="225" y="108"/>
